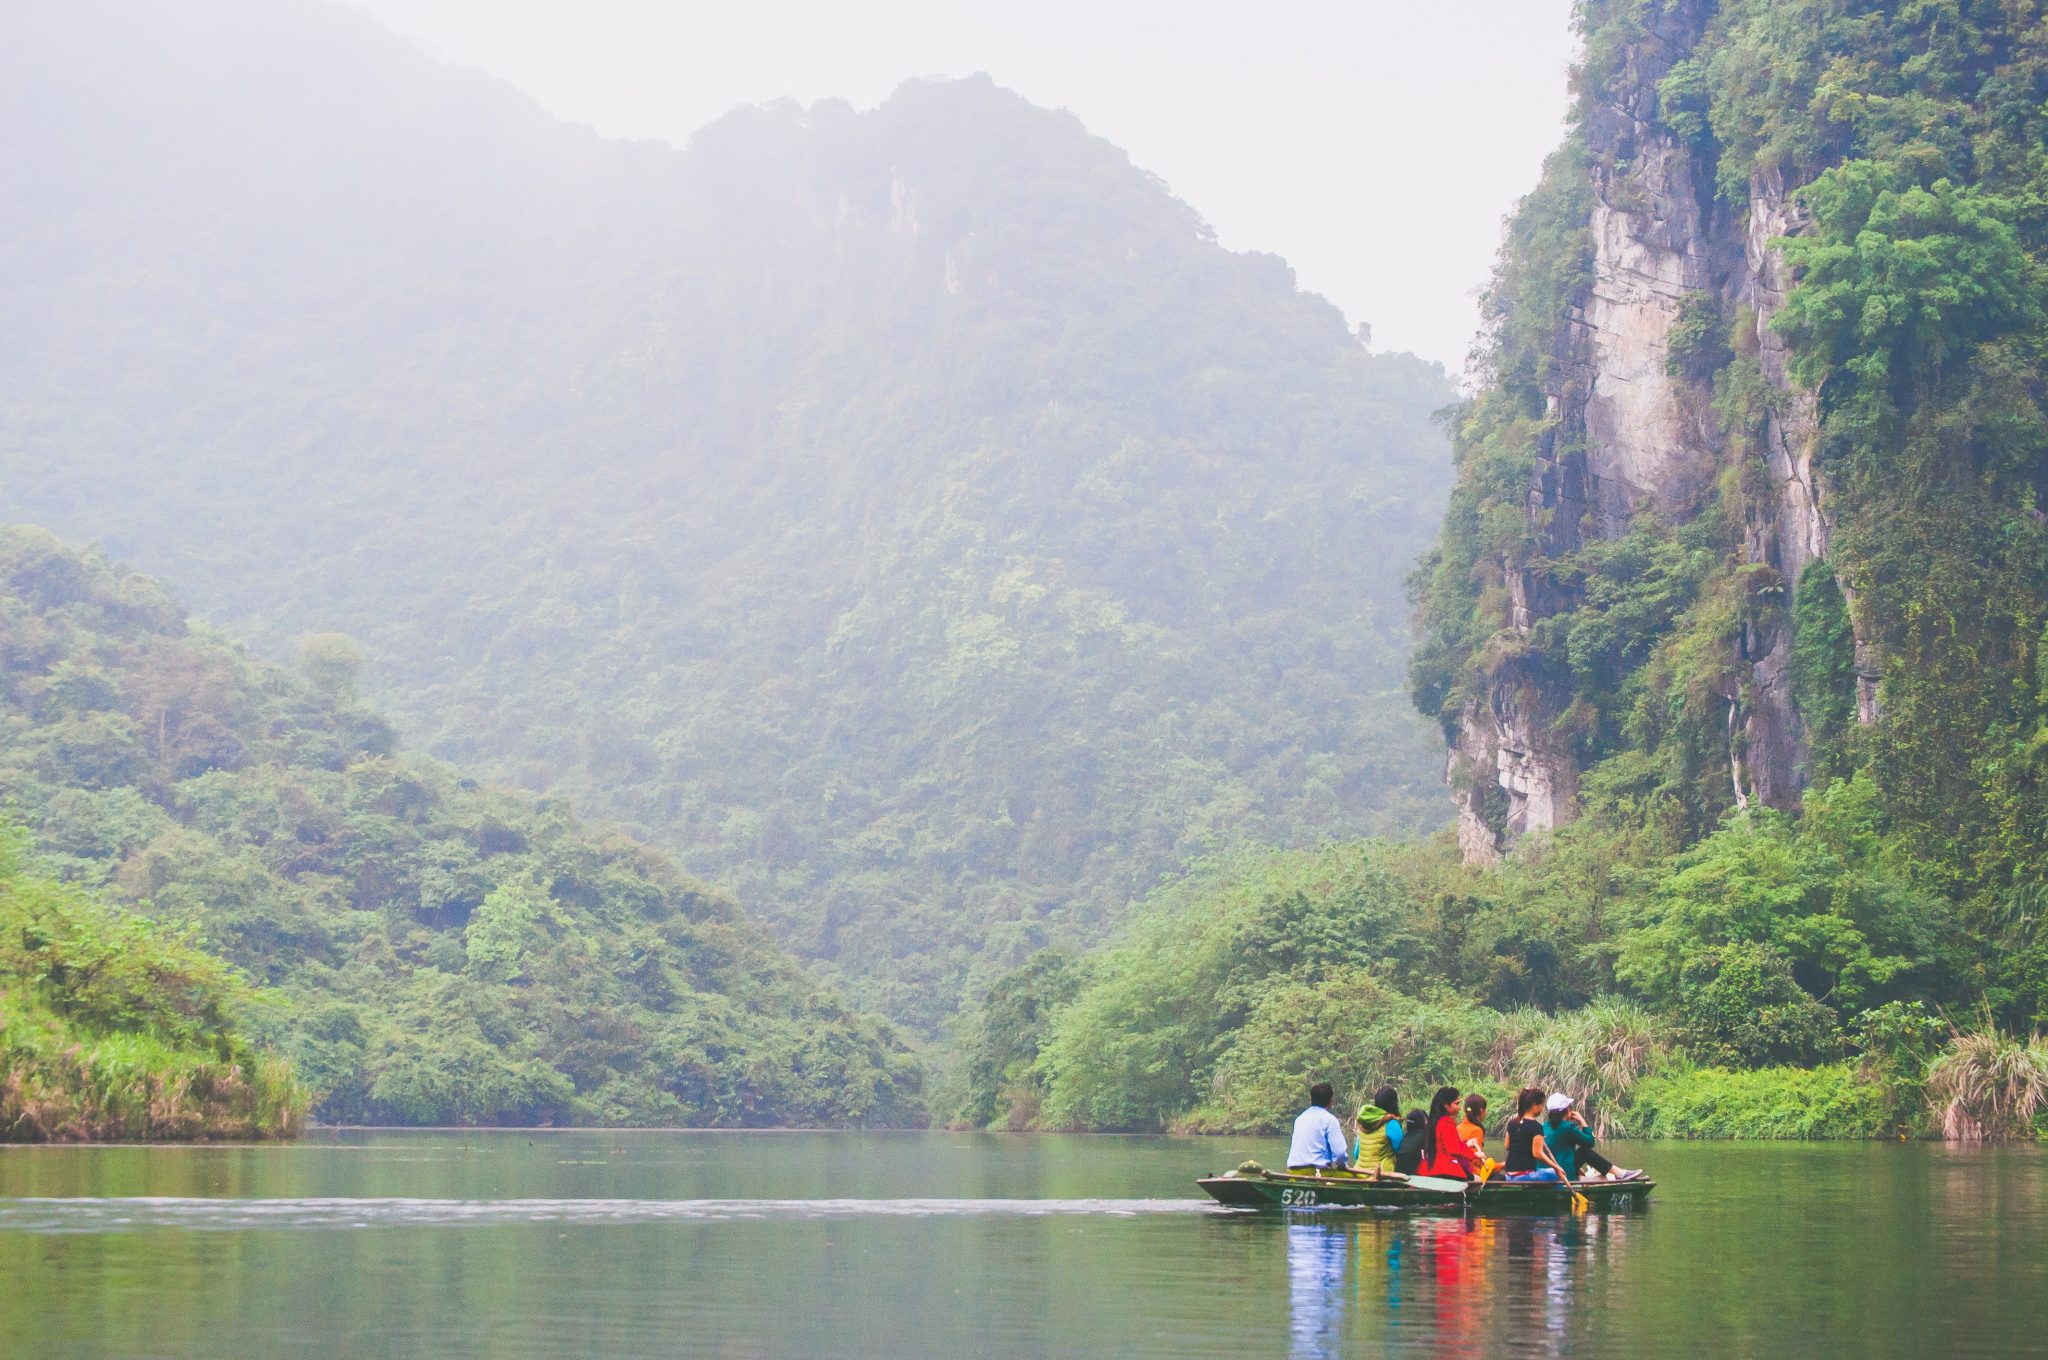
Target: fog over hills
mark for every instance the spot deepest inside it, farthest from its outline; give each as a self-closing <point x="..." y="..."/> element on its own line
<point x="912" y="519"/>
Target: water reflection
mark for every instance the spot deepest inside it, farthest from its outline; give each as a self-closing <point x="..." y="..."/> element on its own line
<point x="1512" y="1286"/>
<point x="672" y="1246"/>
<point x="1317" y="1253"/>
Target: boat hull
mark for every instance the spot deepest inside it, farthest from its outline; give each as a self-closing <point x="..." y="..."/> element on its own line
<point x="1278" y="1190"/>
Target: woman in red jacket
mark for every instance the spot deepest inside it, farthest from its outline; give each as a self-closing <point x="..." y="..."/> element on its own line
<point x="1449" y="1154"/>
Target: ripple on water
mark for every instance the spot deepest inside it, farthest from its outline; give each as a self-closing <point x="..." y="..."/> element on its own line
<point x="89" y="1214"/>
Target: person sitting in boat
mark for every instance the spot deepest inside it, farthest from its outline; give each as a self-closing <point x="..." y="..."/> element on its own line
<point x="1318" y="1136"/>
<point x="1379" y="1132"/>
<point x="1571" y="1142"/>
<point x="1448" y="1156"/>
<point x="1529" y="1156"/>
<point x="1414" y="1144"/>
<point x="1472" y="1128"/>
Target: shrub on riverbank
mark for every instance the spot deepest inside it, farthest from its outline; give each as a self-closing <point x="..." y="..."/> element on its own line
<point x="1835" y="1100"/>
<point x="1347" y="1028"/>
<point x="1241" y="983"/>
<point x="59" y="1084"/>
<point x="1600" y="1053"/>
<point x="1987" y="1086"/>
<point x="111" y="1027"/>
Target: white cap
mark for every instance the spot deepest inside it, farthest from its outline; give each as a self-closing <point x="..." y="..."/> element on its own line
<point x="1558" y="1103"/>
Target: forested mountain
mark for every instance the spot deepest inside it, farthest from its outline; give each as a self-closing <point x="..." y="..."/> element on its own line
<point x="1750" y="499"/>
<point x="1737" y="626"/>
<point x="910" y="518"/>
<point x="435" y="951"/>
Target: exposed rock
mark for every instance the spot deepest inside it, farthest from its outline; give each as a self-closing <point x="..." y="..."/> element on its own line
<point x="1510" y="773"/>
<point x="902" y="205"/>
<point x="1792" y="429"/>
<point x="1651" y="442"/>
<point x="1790" y="530"/>
<point x="1470" y="773"/>
<point x="1868" y="671"/>
<point x="1792" y="432"/>
<point x="1626" y="436"/>
<point x="1629" y="435"/>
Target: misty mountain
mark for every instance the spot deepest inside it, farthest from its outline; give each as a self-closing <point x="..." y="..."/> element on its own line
<point x="912" y="518"/>
<point x="435" y="951"/>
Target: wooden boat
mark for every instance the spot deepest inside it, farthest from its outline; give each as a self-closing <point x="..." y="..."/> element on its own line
<point x="1254" y="1187"/>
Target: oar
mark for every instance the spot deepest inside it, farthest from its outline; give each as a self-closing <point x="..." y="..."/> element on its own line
<point x="1475" y="1188"/>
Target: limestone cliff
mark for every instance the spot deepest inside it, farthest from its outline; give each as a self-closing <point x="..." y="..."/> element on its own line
<point x="1634" y="429"/>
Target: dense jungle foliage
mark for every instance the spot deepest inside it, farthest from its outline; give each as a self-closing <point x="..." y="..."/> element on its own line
<point x="1920" y="137"/>
<point x="1781" y="978"/>
<point x="1871" y="961"/>
<point x="912" y="520"/>
<point x="432" y="951"/>
<point x="111" y="1027"/>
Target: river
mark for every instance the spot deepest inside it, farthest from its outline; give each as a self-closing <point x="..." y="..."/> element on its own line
<point x="513" y="1244"/>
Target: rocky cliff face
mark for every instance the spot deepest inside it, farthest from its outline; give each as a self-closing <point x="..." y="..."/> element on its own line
<point x="1636" y="431"/>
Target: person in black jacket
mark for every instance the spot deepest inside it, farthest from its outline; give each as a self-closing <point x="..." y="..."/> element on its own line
<point x="1414" y="1142"/>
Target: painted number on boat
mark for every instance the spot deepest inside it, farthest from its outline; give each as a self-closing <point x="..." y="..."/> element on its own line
<point x="1297" y="1197"/>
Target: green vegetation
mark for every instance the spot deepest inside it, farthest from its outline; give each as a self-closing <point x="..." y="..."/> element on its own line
<point x="1693" y="963"/>
<point x="910" y="520"/>
<point x="435" y="951"/>
<point x="111" y="1027"/>
<point x="1907" y="881"/>
<point x="1834" y="1100"/>
<point x="1989" y="1086"/>
<point x="1917" y="322"/>
<point x="1741" y="989"/>
<point x="916" y="521"/>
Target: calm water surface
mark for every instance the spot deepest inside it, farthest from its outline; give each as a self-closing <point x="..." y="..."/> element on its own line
<point x="369" y="1244"/>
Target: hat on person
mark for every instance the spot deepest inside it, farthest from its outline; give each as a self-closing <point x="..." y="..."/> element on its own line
<point x="1558" y="1103"/>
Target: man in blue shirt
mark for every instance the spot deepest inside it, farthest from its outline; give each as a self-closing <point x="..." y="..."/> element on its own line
<point x="1318" y="1136"/>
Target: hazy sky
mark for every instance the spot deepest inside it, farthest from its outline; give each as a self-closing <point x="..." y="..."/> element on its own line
<point x="1376" y="144"/>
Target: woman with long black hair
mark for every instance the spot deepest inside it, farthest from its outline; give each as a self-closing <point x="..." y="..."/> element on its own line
<point x="1449" y="1154"/>
<point x="1529" y="1157"/>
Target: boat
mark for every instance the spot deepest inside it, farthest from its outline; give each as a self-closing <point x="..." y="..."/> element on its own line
<point x="1251" y="1186"/>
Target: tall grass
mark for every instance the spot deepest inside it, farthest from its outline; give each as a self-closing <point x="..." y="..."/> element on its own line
<point x="1596" y="1054"/>
<point x="58" y="1084"/>
<point x="1987" y="1087"/>
<point x="111" y="1027"/>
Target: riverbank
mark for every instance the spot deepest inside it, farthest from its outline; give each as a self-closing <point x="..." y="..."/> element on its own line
<point x="1594" y="966"/>
<point x="59" y="1083"/>
<point x="113" y="1028"/>
<point x="1843" y="1101"/>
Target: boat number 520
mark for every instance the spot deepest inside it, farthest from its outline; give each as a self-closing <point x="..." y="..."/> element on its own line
<point x="1297" y="1197"/>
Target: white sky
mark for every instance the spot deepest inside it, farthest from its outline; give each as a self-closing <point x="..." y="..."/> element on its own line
<point x="1375" y="144"/>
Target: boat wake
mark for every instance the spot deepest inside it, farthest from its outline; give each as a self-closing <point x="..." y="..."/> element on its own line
<point x="129" y="1213"/>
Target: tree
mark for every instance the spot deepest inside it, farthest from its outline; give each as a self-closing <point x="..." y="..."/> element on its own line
<point x="332" y="664"/>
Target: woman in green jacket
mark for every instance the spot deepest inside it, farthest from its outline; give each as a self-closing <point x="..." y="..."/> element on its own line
<point x="1379" y="1132"/>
